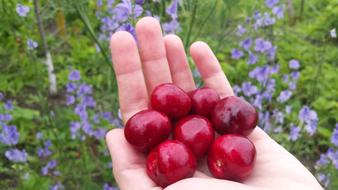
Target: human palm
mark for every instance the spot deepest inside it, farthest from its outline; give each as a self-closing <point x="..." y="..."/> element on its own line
<point x="155" y="59"/>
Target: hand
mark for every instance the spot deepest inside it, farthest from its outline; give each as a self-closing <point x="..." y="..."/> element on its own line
<point x="157" y="60"/>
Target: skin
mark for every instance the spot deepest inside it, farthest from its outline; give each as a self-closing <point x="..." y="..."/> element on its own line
<point x="155" y="60"/>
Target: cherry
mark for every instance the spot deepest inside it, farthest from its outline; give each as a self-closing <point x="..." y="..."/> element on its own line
<point x="146" y="129"/>
<point x="171" y="100"/>
<point x="169" y="162"/>
<point x="234" y="115"/>
<point x="231" y="157"/>
<point x="196" y="132"/>
<point x="203" y="101"/>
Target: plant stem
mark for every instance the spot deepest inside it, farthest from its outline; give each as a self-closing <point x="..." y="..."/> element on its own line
<point x="187" y="39"/>
<point x="49" y="60"/>
<point x="206" y="20"/>
<point x="302" y="3"/>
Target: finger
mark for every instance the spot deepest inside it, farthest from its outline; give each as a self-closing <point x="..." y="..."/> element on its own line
<point x="207" y="183"/>
<point x="128" y="164"/>
<point x="154" y="62"/>
<point x="210" y="69"/>
<point x="178" y="64"/>
<point x="127" y="65"/>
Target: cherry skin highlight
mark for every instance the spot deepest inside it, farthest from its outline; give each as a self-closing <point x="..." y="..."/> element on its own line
<point x="234" y="115"/>
<point x="146" y="129"/>
<point x="203" y="101"/>
<point x="170" y="100"/>
<point x="195" y="132"/>
<point x="170" y="162"/>
<point x="231" y="157"/>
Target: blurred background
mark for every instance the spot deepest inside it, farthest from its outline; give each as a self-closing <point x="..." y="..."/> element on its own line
<point x="58" y="95"/>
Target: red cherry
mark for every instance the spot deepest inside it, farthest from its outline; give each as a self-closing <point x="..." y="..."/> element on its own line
<point x="231" y="157"/>
<point x="196" y="132"/>
<point x="234" y="115"/>
<point x="171" y="100"/>
<point x="203" y="101"/>
<point x="146" y="129"/>
<point x="170" y="162"/>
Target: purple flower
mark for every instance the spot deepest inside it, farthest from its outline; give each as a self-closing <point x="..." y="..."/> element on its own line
<point x="294" y="64"/>
<point x="9" y="135"/>
<point x="334" y="136"/>
<point x="40" y="152"/>
<point x="45" y="152"/>
<point x="88" y="101"/>
<point x="279" y="116"/>
<point x="236" y="89"/>
<point x="285" y="78"/>
<point x="70" y="100"/>
<point x="172" y="9"/>
<point x="109" y="3"/>
<point x="16" y="155"/>
<point x="71" y="87"/>
<point x="171" y="27"/>
<point x="140" y="2"/>
<point x="22" y="10"/>
<point x="271" y="53"/>
<point x="106" y="186"/>
<point x="271" y="3"/>
<point x="1" y="96"/>
<point x="252" y="58"/>
<point x="265" y="120"/>
<point x="240" y="30"/>
<point x="31" y="44"/>
<point x="128" y="28"/>
<point x="84" y="89"/>
<point x="262" y="46"/>
<point x="284" y="96"/>
<point x="295" y="75"/>
<point x="310" y="118"/>
<point x="278" y="11"/>
<point x="125" y="9"/>
<point x="292" y="86"/>
<point x="74" y="127"/>
<point x="324" y="179"/>
<point x="288" y="109"/>
<point x="81" y="111"/>
<point x="52" y="164"/>
<point x="8" y="105"/>
<point x="260" y="73"/>
<point x="57" y="186"/>
<point x="74" y="75"/>
<point x="268" y="20"/>
<point x="100" y="133"/>
<point x="6" y="117"/>
<point x="274" y="69"/>
<point x="236" y="54"/>
<point x="258" y="101"/>
<point x="294" y="132"/>
<point x="322" y="161"/>
<point x="249" y="89"/>
<point x="246" y="44"/>
<point x="44" y="170"/>
<point x="38" y="135"/>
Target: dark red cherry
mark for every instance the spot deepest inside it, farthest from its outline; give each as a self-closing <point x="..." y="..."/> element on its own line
<point x="146" y="129"/>
<point x="234" y="115"/>
<point x="231" y="157"/>
<point x="170" y="162"/>
<point x="203" y="101"/>
<point x="171" y="100"/>
<point x="196" y="132"/>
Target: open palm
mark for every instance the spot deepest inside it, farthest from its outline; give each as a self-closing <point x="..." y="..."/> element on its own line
<point x="156" y="59"/>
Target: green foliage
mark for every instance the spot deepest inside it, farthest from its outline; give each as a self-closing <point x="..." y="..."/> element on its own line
<point x="23" y="78"/>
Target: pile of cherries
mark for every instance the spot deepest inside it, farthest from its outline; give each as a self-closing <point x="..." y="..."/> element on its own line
<point x="191" y="118"/>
